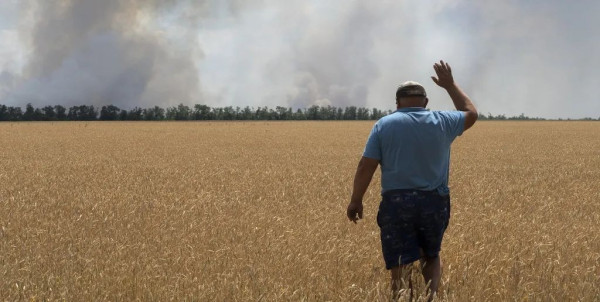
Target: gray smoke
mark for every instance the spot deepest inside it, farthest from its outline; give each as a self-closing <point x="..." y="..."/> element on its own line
<point x="331" y="66"/>
<point x="109" y="51"/>
<point x="512" y="57"/>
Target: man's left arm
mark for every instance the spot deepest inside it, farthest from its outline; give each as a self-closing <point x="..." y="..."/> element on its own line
<point x="364" y="173"/>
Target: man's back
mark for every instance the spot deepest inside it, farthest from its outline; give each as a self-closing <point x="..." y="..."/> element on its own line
<point x="413" y="147"/>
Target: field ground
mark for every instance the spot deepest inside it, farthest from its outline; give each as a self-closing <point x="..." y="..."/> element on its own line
<point x="249" y="211"/>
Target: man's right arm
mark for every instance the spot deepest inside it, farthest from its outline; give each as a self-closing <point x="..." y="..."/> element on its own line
<point x="461" y="101"/>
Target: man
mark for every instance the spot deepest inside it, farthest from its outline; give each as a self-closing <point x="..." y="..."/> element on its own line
<point x="413" y="147"/>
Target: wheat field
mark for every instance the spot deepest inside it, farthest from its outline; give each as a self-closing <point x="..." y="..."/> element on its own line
<point x="255" y="211"/>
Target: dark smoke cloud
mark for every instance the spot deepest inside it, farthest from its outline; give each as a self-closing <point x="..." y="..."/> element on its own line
<point x="110" y="51"/>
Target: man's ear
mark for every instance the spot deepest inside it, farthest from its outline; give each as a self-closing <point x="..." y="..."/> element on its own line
<point x="426" y="102"/>
<point x="397" y="101"/>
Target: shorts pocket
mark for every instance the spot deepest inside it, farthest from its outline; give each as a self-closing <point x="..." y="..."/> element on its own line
<point x="383" y="214"/>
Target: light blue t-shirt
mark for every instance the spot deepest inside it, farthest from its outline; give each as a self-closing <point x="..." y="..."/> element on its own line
<point x="413" y="148"/>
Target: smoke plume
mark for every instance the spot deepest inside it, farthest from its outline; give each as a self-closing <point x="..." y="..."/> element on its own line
<point x="511" y="57"/>
<point x="110" y="51"/>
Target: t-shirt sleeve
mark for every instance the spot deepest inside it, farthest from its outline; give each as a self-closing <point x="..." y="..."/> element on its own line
<point x="455" y="123"/>
<point x="373" y="147"/>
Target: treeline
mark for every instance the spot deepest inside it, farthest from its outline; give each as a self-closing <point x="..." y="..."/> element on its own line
<point x="204" y="112"/>
<point x="523" y="117"/>
<point x="183" y="112"/>
<point x="502" y="117"/>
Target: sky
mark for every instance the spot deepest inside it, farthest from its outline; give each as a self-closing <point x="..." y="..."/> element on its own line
<point x="539" y="58"/>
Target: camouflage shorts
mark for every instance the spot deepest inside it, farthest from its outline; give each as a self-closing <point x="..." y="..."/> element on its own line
<point x="412" y="221"/>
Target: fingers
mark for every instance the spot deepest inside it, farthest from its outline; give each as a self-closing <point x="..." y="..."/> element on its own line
<point x="440" y="70"/>
<point x="442" y="67"/>
<point x="444" y="74"/>
<point x="439" y="67"/>
<point x="351" y="215"/>
<point x="354" y="214"/>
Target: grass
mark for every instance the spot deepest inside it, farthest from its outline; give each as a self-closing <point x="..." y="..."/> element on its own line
<point x="255" y="211"/>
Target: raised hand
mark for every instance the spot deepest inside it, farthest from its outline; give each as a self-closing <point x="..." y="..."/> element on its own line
<point x="444" y="75"/>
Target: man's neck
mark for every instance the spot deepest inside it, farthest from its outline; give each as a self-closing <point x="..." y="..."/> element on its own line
<point x="404" y="107"/>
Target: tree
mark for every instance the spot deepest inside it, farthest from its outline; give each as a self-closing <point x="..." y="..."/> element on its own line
<point x="339" y="115"/>
<point x="4" y="113"/>
<point x="198" y="112"/>
<point x="38" y="115"/>
<point x="109" y="113"/>
<point x="82" y="113"/>
<point x="183" y="112"/>
<point x="228" y="113"/>
<point x="171" y="113"/>
<point x="15" y="114"/>
<point x="262" y="113"/>
<point x="123" y="115"/>
<point x="299" y="115"/>
<point x="272" y="114"/>
<point x="312" y="113"/>
<point x="88" y="113"/>
<point x="246" y="114"/>
<point x="350" y="113"/>
<point x="202" y="112"/>
<point x="49" y="113"/>
<point x="327" y="113"/>
<point x="376" y="114"/>
<point x="154" y="114"/>
<point x="135" y="114"/>
<point x="73" y="114"/>
<point x="29" y="113"/>
<point x="60" y="112"/>
<point x="362" y="113"/>
<point x="282" y="113"/>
